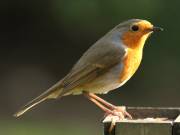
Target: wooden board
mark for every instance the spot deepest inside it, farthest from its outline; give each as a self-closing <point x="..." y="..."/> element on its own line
<point x="147" y="121"/>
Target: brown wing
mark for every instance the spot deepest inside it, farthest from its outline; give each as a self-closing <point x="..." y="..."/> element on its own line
<point x="94" y="65"/>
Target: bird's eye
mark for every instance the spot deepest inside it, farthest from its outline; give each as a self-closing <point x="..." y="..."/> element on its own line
<point x="134" y="28"/>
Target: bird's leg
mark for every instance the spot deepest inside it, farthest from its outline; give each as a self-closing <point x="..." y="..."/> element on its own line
<point x="112" y="109"/>
<point x="105" y="109"/>
<point x="116" y="109"/>
<point x="111" y="106"/>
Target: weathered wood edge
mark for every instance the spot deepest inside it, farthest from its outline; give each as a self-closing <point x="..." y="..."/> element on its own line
<point x="144" y="112"/>
<point x="106" y="129"/>
<point x="176" y="126"/>
<point x="177" y="120"/>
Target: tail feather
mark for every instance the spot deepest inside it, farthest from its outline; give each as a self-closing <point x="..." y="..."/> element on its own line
<point x="53" y="92"/>
<point x="28" y="106"/>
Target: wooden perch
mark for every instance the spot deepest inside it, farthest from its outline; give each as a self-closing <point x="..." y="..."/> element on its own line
<point x="146" y="121"/>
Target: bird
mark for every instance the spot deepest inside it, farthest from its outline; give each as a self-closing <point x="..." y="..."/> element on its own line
<point x="107" y="65"/>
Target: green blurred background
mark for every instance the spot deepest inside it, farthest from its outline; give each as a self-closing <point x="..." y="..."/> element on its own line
<point x="41" y="40"/>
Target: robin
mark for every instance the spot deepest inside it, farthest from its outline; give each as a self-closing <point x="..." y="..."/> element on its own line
<point x="106" y="65"/>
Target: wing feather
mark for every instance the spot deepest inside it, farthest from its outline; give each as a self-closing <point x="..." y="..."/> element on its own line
<point x="86" y="71"/>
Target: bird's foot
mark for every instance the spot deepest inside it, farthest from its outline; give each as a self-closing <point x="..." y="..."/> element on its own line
<point x="119" y="111"/>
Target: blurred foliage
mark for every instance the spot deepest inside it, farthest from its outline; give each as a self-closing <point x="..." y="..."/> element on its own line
<point x="41" y="40"/>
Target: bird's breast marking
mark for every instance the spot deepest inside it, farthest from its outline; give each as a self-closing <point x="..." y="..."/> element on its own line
<point x="130" y="64"/>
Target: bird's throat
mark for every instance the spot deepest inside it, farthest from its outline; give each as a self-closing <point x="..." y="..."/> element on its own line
<point x="134" y="41"/>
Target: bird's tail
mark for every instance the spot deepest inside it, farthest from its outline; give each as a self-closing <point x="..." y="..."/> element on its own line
<point x="51" y="93"/>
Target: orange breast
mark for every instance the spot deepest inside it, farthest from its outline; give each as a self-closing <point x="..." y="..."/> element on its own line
<point x="131" y="63"/>
<point x="132" y="60"/>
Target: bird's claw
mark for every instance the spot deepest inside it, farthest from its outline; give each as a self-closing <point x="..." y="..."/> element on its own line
<point x="119" y="111"/>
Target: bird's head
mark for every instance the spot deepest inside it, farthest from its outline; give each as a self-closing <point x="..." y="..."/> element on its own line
<point x="134" y="32"/>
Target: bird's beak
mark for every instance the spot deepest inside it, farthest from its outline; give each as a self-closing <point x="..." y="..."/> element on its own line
<point x="154" y="29"/>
